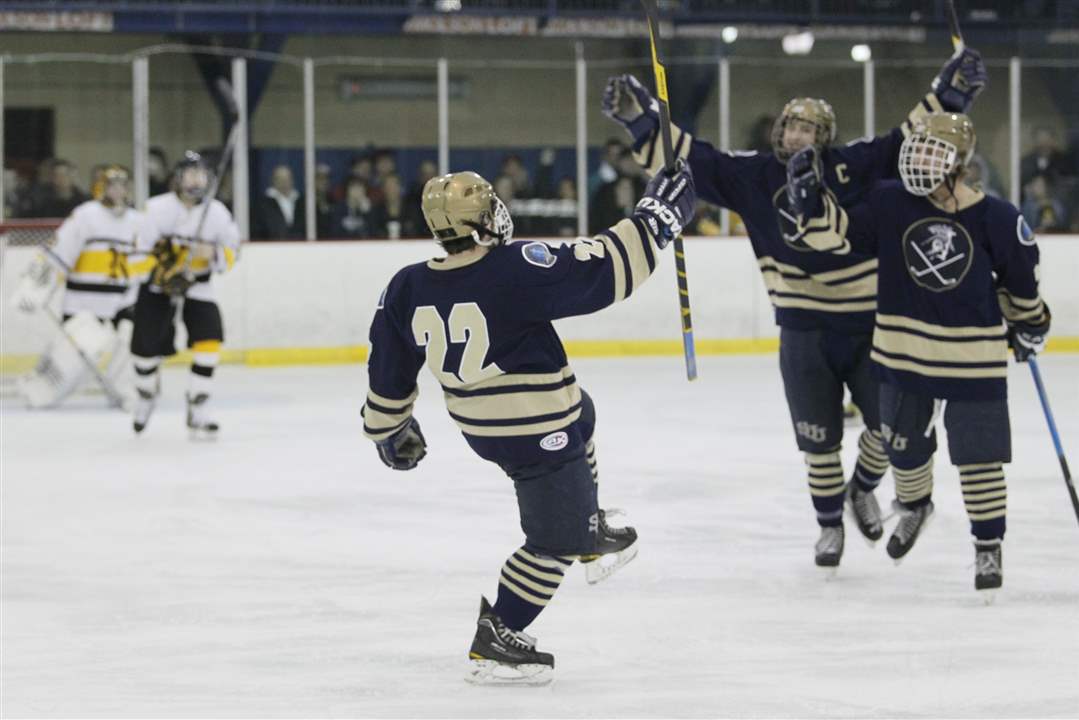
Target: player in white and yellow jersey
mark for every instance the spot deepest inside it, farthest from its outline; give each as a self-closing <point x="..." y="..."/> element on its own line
<point x="193" y="237"/>
<point x="96" y="259"/>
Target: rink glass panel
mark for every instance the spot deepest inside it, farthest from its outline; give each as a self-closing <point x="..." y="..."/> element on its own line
<point x="365" y="108"/>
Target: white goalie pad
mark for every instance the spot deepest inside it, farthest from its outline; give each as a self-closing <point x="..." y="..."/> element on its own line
<point x="61" y="369"/>
<point x="36" y="285"/>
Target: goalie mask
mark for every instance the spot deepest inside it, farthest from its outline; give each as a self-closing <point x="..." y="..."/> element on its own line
<point x="192" y="177"/>
<point x="116" y="193"/>
<point x="939" y="146"/>
<point x="813" y="115"/>
<point x="464" y="205"/>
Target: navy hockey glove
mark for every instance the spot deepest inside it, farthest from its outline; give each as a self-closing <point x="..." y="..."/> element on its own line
<point x="804" y="182"/>
<point x="960" y="80"/>
<point x="629" y="104"/>
<point x="668" y="204"/>
<point x="1026" y="340"/>
<point x="405" y="448"/>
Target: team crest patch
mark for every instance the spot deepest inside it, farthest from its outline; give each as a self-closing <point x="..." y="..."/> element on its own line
<point x="938" y="253"/>
<point x="1023" y="232"/>
<point x="555" y="441"/>
<point x="539" y="254"/>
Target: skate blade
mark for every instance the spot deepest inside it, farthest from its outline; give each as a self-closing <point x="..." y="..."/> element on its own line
<point x="989" y="596"/>
<point x="494" y="673"/>
<point x="828" y="572"/>
<point x="201" y="435"/>
<point x="604" y="566"/>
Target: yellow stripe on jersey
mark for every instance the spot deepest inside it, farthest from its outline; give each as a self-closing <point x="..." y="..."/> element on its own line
<point x="515" y="404"/>
<point x="964" y="373"/>
<point x="112" y="265"/>
<point x="901" y="321"/>
<point x="206" y="346"/>
<point x="633" y="249"/>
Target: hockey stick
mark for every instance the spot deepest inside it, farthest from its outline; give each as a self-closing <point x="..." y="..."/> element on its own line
<point x="114" y="396"/>
<point x="1036" y="373"/>
<point x="953" y="27"/>
<point x="222" y="164"/>
<point x="660" y="74"/>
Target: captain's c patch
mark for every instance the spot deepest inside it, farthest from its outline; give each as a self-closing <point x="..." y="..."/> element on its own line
<point x="538" y="253"/>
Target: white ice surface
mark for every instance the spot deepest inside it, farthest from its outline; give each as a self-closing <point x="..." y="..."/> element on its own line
<point x="283" y="571"/>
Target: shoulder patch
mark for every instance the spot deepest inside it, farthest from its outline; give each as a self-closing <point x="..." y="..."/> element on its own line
<point x="539" y="254"/>
<point x="1023" y="232"/>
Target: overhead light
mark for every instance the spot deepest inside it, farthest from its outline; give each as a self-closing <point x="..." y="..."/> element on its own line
<point x="448" y="5"/>
<point x="861" y="53"/>
<point x="729" y="34"/>
<point x="800" y="43"/>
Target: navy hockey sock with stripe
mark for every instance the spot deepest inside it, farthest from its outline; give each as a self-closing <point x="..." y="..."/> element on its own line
<point x="527" y="584"/>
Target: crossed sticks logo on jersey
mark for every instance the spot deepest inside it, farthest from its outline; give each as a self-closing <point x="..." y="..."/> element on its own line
<point x="938" y="253"/>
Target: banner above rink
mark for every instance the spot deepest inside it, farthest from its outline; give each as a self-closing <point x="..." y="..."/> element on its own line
<point x="57" y="21"/>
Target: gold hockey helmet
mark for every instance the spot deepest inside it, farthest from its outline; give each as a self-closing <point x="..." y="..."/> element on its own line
<point x="938" y="147"/>
<point x="115" y="181"/>
<point x="464" y="205"/>
<point x="815" y="111"/>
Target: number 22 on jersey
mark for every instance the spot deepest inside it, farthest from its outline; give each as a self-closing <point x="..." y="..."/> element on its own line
<point x="468" y="325"/>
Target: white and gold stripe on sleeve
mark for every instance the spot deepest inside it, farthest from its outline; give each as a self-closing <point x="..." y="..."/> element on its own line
<point x="1021" y="309"/>
<point x="650" y="155"/>
<point x="849" y="289"/>
<point x="383" y="416"/>
<point x="928" y="104"/>
<point x="632" y="253"/>
<point x="969" y="352"/>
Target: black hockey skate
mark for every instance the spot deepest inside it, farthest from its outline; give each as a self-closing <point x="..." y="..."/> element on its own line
<point x="866" y="511"/>
<point x="615" y="547"/>
<point x="830" y="547"/>
<point x="501" y="656"/>
<point x="911" y="524"/>
<point x="199" y="424"/>
<point x="988" y="567"/>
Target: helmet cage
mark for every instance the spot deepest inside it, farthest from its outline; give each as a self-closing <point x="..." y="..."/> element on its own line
<point x="925" y="162"/>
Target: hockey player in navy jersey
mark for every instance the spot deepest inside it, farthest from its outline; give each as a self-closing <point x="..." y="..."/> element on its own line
<point x="481" y="320"/>
<point x="958" y="285"/>
<point x="823" y="304"/>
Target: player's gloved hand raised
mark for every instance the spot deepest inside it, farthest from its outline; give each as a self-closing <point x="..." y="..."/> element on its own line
<point x="405" y="448"/>
<point x="669" y="201"/>
<point x="1026" y="340"/>
<point x="34" y="286"/>
<point x="960" y="80"/>
<point x="804" y="182"/>
<point x="628" y="103"/>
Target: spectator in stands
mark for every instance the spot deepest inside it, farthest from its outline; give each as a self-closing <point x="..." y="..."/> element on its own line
<point x="157" y="167"/>
<point x="514" y="169"/>
<point x="566" y="225"/>
<point x="760" y="134"/>
<point x="980" y="176"/>
<point x="413" y="210"/>
<point x="363" y="169"/>
<point x="607" y="170"/>
<point x="60" y="195"/>
<point x="544" y="186"/>
<point x="1042" y="209"/>
<point x="279" y="215"/>
<point x="384" y="165"/>
<point x="323" y="201"/>
<point x="13" y="188"/>
<point x="389" y="219"/>
<point x="352" y="217"/>
<point x="1046" y="159"/>
<point x="616" y="200"/>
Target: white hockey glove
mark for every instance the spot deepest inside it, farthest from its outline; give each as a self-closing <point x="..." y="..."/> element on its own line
<point x="36" y="285"/>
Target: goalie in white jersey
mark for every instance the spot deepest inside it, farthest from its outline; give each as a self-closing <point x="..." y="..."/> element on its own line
<point x="95" y="258"/>
<point x="192" y="236"/>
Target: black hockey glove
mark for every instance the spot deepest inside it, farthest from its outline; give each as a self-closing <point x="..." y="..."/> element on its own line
<point x="1026" y="340"/>
<point x="804" y="182"/>
<point x="669" y="201"/>
<point x="960" y="80"/>
<point x="405" y="448"/>
<point x="629" y="104"/>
